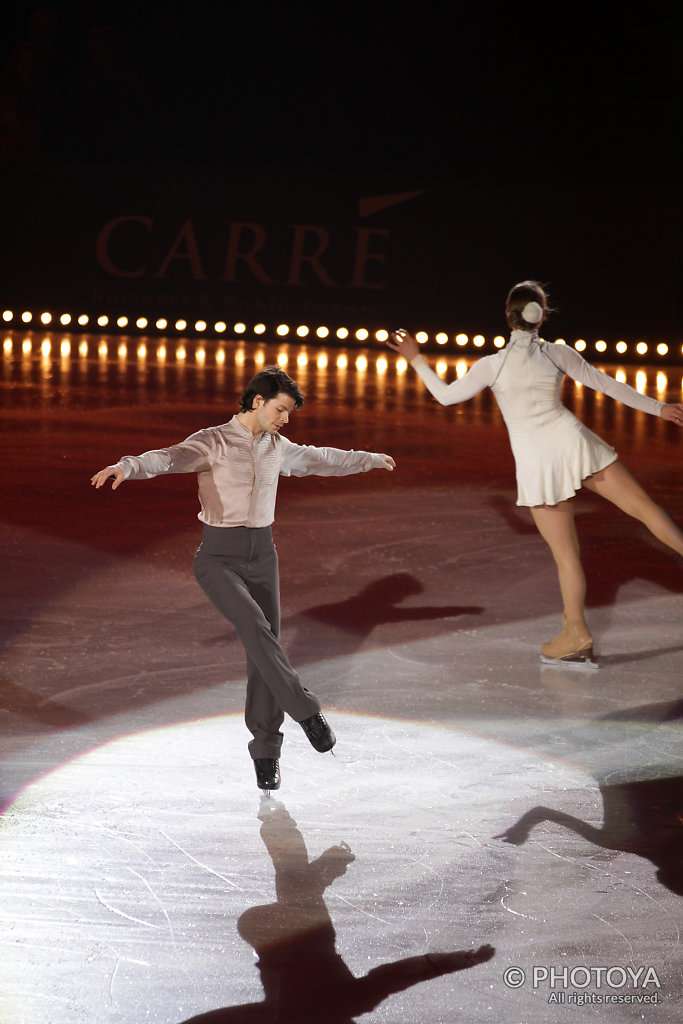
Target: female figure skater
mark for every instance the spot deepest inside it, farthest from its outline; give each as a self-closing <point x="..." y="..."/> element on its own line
<point x="555" y="454"/>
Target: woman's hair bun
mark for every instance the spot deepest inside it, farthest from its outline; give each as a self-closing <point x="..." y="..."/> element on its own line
<point x="532" y="313"/>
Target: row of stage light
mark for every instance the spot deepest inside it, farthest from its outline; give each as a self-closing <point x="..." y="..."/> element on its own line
<point x="323" y="335"/>
<point x="304" y="358"/>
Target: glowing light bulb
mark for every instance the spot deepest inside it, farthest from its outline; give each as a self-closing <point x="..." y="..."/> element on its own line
<point x="65" y="319"/>
<point x="342" y="332"/>
<point x="382" y="335"/>
<point x="181" y="325"/>
<point x="323" y="332"/>
<point x="662" y="348"/>
<point x="102" y="321"/>
<point x="200" y="326"/>
<point x="421" y="337"/>
<point x="122" y="321"/>
<point x="161" y="324"/>
<point x="7" y="315"/>
<point x="600" y="346"/>
<point x="220" y="327"/>
<point x="83" y="320"/>
<point x="621" y="347"/>
<point x="302" y="331"/>
<point x="239" y="328"/>
<point x="361" y="334"/>
<point x="282" y="330"/>
<point x="479" y="340"/>
<point x="641" y="348"/>
<point x="461" y="339"/>
<point x="499" y="341"/>
<point x="26" y="317"/>
<point x="259" y="328"/>
<point x="580" y="345"/>
<point x="141" y="323"/>
<point x="45" y="318"/>
<point x="441" y="338"/>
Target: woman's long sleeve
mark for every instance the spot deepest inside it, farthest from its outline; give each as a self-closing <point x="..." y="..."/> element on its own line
<point x="575" y="366"/>
<point x="478" y="377"/>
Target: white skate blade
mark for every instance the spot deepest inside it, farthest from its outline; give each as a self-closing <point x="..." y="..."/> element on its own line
<point x="582" y="664"/>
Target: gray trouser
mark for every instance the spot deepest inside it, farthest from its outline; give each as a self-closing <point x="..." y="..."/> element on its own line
<point x="236" y="567"/>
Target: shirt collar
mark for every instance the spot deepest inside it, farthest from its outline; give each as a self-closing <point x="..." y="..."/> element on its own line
<point x="241" y="428"/>
<point x="523" y="339"/>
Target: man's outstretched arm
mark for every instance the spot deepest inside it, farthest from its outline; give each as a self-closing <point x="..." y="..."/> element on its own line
<point x="307" y="460"/>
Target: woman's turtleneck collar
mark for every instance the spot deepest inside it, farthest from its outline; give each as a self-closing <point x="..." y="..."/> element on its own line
<point x="523" y="339"/>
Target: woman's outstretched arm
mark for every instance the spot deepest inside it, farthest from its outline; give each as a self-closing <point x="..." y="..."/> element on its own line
<point x="478" y="377"/>
<point x="574" y="365"/>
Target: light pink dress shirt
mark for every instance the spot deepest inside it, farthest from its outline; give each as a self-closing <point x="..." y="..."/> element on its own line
<point x="238" y="473"/>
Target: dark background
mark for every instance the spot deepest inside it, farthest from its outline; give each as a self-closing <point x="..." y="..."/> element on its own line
<point x="570" y="93"/>
<point x="549" y="135"/>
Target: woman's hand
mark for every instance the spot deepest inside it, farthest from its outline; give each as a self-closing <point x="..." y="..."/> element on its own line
<point x="673" y="413"/>
<point x="99" y="479"/>
<point x="387" y="462"/>
<point x="404" y="343"/>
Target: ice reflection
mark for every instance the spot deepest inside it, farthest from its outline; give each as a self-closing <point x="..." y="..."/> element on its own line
<point x="41" y="370"/>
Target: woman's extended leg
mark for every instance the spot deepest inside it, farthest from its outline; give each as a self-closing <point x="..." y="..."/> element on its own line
<point x="617" y="485"/>
<point x="555" y="523"/>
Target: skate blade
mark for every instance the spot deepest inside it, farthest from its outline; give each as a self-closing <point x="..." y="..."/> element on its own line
<point x="576" y="661"/>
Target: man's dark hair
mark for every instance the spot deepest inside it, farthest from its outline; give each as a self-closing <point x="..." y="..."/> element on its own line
<point x="269" y="383"/>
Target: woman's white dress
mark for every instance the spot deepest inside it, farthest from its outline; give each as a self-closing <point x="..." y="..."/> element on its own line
<point x="553" y="451"/>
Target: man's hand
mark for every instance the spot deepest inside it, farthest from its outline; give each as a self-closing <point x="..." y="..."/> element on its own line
<point x="673" y="413"/>
<point x="387" y="462"/>
<point x="101" y="478"/>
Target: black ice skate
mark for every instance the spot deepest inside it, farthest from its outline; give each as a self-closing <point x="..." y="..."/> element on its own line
<point x="267" y="773"/>
<point x="319" y="733"/>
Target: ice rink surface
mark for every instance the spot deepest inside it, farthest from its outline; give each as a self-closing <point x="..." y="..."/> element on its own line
<point x="493" y="841"/>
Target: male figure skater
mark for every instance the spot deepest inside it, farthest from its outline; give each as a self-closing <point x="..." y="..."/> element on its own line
<point x="237" y="466"/>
